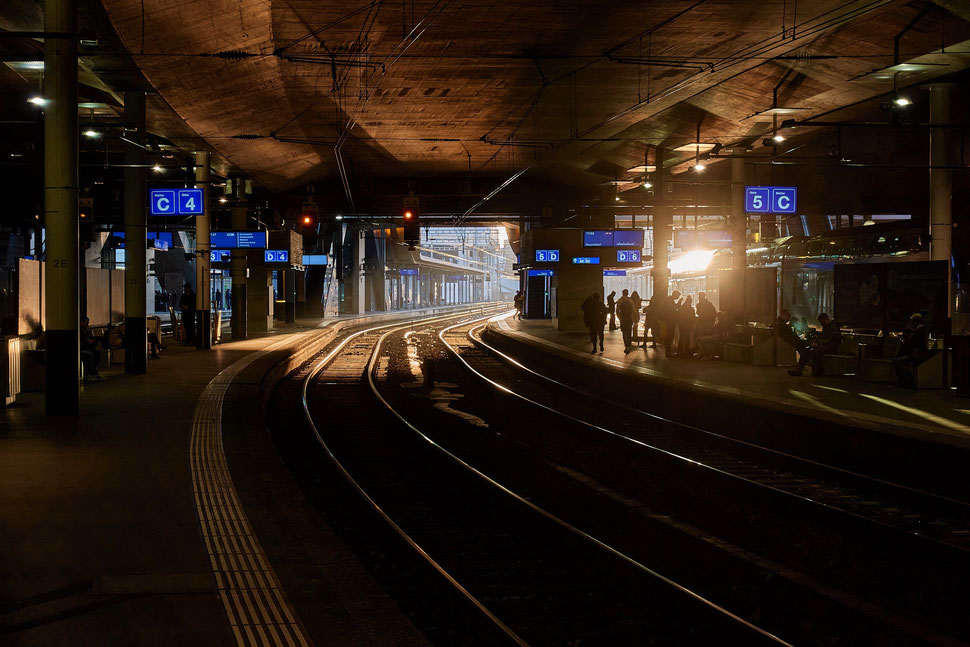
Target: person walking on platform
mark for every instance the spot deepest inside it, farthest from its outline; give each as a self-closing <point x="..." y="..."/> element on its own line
<point x="828" y="340"/>
<point x="594" y="317"/>
<point x="668" y="316"/>
<point x="706" y="315"/>
<point x="517" y="302"/>
<point x="637" y="304"/>
<point x="611" y="306"/>
<point x="625" y="310"/>
<point x="188" y="313"/>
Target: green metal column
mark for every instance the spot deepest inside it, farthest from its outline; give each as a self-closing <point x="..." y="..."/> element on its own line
<point x="203" y="265"/>
<point x="62" y="353"/>
<point x="136" y="233"/>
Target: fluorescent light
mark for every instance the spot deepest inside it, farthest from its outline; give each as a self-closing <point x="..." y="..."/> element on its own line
<point x="91" y="133"/>
<point x="157" y="168"/>
<point x="902" y="101"/>
<point x="339" y="217"/>
<point x="694" y="147"/>
<point x="38" y="101"/>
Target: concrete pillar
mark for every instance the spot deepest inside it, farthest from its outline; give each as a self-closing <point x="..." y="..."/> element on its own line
<point x="662" y="231"/>
<point x="260" y="295"/>
<point x="237" y="270"/>
<point x="573" y="284"/>
<point x="941" y="183"/>
<point x="300" y="293"/>
<point x="738" y="227"/>
<point x="136" y="237"/>
<point x="62" y="395"/>
<point x="203" y="265"/>
<point x="354" y="292"/>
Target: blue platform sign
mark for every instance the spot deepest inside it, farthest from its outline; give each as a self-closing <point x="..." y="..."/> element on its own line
<point x="218" y="256"/>
<point x="177" y="202"/>
<point x="614" y="272"/>
<point x="770" y="199"/>
<point x="163" y="202"/>
<point x="409" y="271"/>
<point x="542" y="272"/>
<point x="276" y="256"/>
<point x="586" y="260"/>
<point x="547" y="255"/>
<point x="628" y="256"/>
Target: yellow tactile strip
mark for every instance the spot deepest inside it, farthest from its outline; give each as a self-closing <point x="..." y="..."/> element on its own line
<point x="259" y="612"/>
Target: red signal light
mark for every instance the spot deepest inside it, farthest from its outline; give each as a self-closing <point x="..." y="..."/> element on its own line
<point x="307" y="220"/>
<point x="408" y="215"/>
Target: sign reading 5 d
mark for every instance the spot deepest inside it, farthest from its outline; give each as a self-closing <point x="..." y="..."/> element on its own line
<point x="770" y="199"/>
<point x="176" y="202"/>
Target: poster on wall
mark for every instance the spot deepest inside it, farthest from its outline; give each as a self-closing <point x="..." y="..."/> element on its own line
<point x="883" y="296"/>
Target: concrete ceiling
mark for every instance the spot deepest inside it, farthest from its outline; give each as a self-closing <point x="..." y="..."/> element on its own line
<point x="576" y="90"/>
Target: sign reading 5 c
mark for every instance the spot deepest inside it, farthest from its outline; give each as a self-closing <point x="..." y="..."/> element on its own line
<point x="770" y="199"/>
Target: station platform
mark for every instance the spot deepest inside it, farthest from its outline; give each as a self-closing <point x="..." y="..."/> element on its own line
<point x="150" y="518"/>
<point x="834" y="419"/>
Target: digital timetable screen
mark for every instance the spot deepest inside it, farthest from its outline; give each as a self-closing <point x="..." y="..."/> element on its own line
<point x="598" y="238"/>
<point x="628" y="238"/>
<point x="237" y="240"/>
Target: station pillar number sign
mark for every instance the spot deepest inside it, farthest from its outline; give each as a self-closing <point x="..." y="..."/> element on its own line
<point x="276" y="256"/>
<point x="770" y="199"/>
<point x="176" y="202"/>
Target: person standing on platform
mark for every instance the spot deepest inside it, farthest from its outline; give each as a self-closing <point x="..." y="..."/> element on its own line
<point x="218" y="299"/>
<point x="687" y="320"/>
<point x="626" y="311"/>
<point x="706" y="315"/>
<point x="517" y="302"/>
<point x="637" y="304"/>
<point x="668" y="316"/>
<point x="651" y="323"/>
<point x="594" y="317"/>
<point x="611" y="307"/>
<point x="188" y="313"/>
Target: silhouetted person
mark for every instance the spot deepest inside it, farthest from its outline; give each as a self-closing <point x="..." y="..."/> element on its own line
<point x="594" y="317"/>
<point x="912" y="352"/>
<point x="668" y="316"/>
<point x="637" y="304"/>
<point x="706" y="314"/>
<point x="626" y="311"/>
<point x="611" y="306"/>
<point x="721" y="332"/>
<point x="650" y="322"/>
<point x="786" y="331"/>
<point x="517" y="302"/>
<point x="685" y="322"/>
<point x="828" y="340"/>
<point x="218" y="299"/>
<point x="188" y="313"/>
<point x="90" y="355"/>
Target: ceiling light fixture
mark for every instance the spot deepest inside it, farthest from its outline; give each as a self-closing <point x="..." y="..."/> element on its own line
<point x="157" y="168"/>
<point x="647" y="184"/>
<point x="223" y="200"/>
<point x="700" y="168"/>
<point x="91" y="133"/>
<point x="38" y="101"/>
<point x="902" y="102"/>
<point x="779" y="137"/>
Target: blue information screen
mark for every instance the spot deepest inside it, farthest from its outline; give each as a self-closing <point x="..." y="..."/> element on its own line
<point x="614" y="272"/>
<point x="628" y="256"/>
<point x="770" y="199"/>
<point x="542" y="272"/>
<point x="276" y="256"/>
<point x="314" y="259"/>
<point x="598" y="238"/>
<point x="237" y="239"/>
<point x="161" y="239"/>
<point x="410" y="271"/>
<point x="586" y="260"/>
<point x="547" y="255"/>
<point x="628" y="238"/>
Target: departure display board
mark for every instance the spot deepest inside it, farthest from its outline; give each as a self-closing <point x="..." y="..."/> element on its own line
<point x="237" y="240"/>
<point x="628" y="238"/>
<point x="598" y="238"/>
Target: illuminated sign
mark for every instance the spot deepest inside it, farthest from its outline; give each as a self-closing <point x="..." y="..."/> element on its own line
<point x="614" y="272"/>
<point x="598" y="238"/>
<point x="586" y="260"/>
<point x="628" y="238"/>
<point x="176" y="202"/>
<point x="410" y="271"/>
<point x="547" y="255"/>
<point x="770" y="199"/>
<point x="542" y="272"/>
<point x="276" y="256"/>
<point x="237" y="239"/>
<point x="314" y="259"/>
<point x="628" y="256"/>
<point x="218" y="256"/>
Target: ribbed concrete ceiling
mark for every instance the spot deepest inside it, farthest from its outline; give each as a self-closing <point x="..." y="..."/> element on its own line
<point x="441" y="87"/>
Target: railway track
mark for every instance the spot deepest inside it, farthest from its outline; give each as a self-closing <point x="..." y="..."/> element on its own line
<point x="926" y="534"/>
<point x="532" y="577"/>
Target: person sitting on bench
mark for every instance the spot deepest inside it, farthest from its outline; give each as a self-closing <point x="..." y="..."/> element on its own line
<point x="912" y="352"/>
<point x="827" y="340"/>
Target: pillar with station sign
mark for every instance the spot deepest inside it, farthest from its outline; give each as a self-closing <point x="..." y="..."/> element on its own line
<point x="203" y="263"/>
<point x="353" y="302"/>
<point x="738" y="226"/>
<point x="941" y="184"/>
<point x="662" y="229"/>
<point x="237" y="271"/>
<point x="62" y="355"/>
<point x="136" y="236"/>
